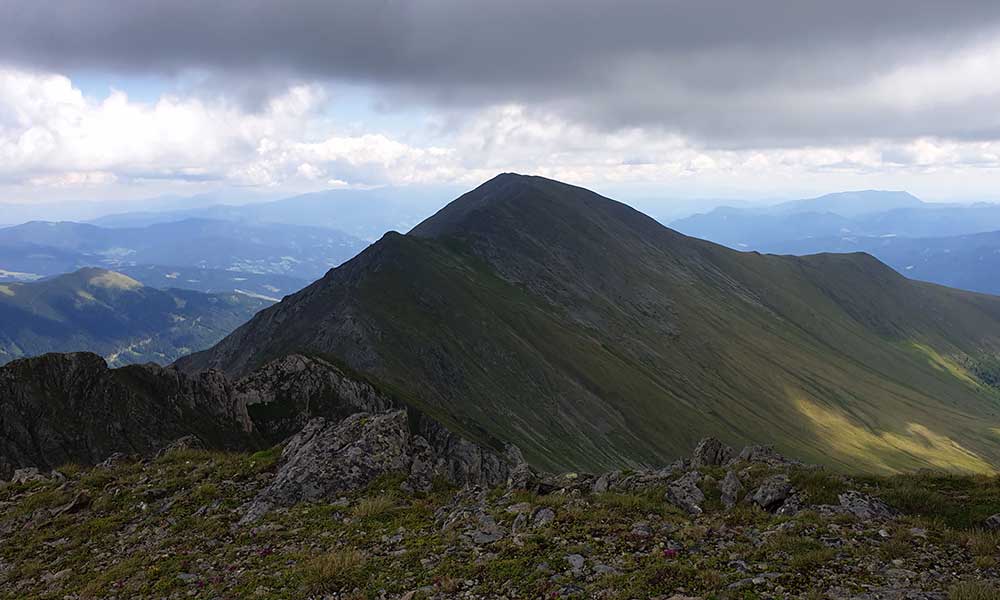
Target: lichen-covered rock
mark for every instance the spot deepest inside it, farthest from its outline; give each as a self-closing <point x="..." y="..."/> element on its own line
<point x="543" y="517"/>
<point x="866" y="507"/>
<point x="464" y="462"/>
<point x="772" y="492"/>
<point x="731" y="489"/>
<point x="27" y="475"/>
<point x="284" y="394"/>
<point x="327" y="459"/>
<point x="766" y="455"/>
<point x="792" y="506"/>
<point x="685" y="494"/>
<point x="710" y="452"/>
<point x="604" y="482"/>
<point x="522" y="477"/>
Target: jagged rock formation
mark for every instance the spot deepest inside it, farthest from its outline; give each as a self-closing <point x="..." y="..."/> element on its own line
<point x="594" y="338"/>
<point x="327" y="459"/>
<point x="711" y="452"/>
<point x="62" y="408"/>
<point x="284" y="394"/>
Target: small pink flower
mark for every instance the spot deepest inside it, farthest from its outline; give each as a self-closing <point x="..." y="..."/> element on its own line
<point x="669" y="553"/>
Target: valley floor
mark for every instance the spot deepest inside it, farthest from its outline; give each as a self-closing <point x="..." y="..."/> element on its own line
<point x="170" y="528"/>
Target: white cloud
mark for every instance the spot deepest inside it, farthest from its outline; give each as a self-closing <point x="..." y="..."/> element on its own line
<point x="50" y="134"/>
<point x="53" y="137"/>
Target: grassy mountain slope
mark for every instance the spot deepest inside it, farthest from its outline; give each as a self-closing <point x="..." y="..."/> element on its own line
<point x="116" y="316"/>
<point x="593" y="337"/>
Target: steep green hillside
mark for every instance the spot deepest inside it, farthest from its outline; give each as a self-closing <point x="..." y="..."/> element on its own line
<point x="593" y="337"/>
<point x="116" y="316"/>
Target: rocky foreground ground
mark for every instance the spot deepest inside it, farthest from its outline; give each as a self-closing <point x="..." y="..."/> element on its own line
<point x="353" y="510"/>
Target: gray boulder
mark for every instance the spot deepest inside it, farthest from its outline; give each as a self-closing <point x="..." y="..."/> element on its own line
<point x="765" y="455"/>
<point x="327" y="459"/>
<point x="710" y="452"/>
<point x="606" y="481"/>
<point x="772" y="492"/>
<point x="865" y="507"/>
<point x="792" y="505"/>
<point x="543" y="517"/>
<point x="731" y="489"/>
<point x="685" y="494"/>
<point x="27" y="475"/>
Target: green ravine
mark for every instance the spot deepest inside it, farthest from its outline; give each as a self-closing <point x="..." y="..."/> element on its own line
<point x="593" y="338"/>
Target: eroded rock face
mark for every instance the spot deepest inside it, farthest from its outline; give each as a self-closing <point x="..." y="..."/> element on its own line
<point x="866" y="507"/>
<point x="772" y="492"/>
<point x="61" y="408"/>
<point x="685" y="494"/>
<point x="711" y="452"/>
<point x="65" y="408"/>
<point x="327" y="459"/>
<point x="766" y="455"/>
<point x="731" y="489"/>
<point x="283" y="395"/>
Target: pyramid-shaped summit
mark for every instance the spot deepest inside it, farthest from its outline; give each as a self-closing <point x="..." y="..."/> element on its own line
<point x="543" y="314"/>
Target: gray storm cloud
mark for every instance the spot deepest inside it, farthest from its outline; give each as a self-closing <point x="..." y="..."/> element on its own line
<point x="732" y="73"/>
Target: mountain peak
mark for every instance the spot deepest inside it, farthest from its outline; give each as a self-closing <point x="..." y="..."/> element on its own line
<point x="852" y="203"/>
<point x="96" y="277"/>
<point x="455" y="216"/>
<point x="514" y="203"/>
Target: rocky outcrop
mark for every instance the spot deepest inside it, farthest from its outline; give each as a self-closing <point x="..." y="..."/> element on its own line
<point x="765" y="455"/>
<point x="730" y="489"/>
<point x="329" y="458"/>
<point x="866" y="507"/>
<point x="61" y="408"/>
<point x="283" y="395"/>
<point x="685" y="494"/>
<point x="711" y="452"/>
<point x="772" y="492"/>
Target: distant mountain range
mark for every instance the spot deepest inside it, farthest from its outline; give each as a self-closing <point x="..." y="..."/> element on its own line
<point x="954" y="245"/>
<point x="278" y="258"/>
<point x="590" y="336"/>
<point x="364" y="214"/>
<point x="115" y="316"/>
<point x="867" y="214"/>
<point x="970" y="262"/>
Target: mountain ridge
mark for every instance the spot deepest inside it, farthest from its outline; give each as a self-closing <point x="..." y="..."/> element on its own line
<point x="591" y="336"/>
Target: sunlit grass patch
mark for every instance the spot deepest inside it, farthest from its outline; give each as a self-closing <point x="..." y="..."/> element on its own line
<point x="370" y="508"/>
<point x="331" y="572"/>
<point x="974" y="590"/>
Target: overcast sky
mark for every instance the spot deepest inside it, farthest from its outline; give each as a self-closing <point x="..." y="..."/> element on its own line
<point x="111" y="99"/>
